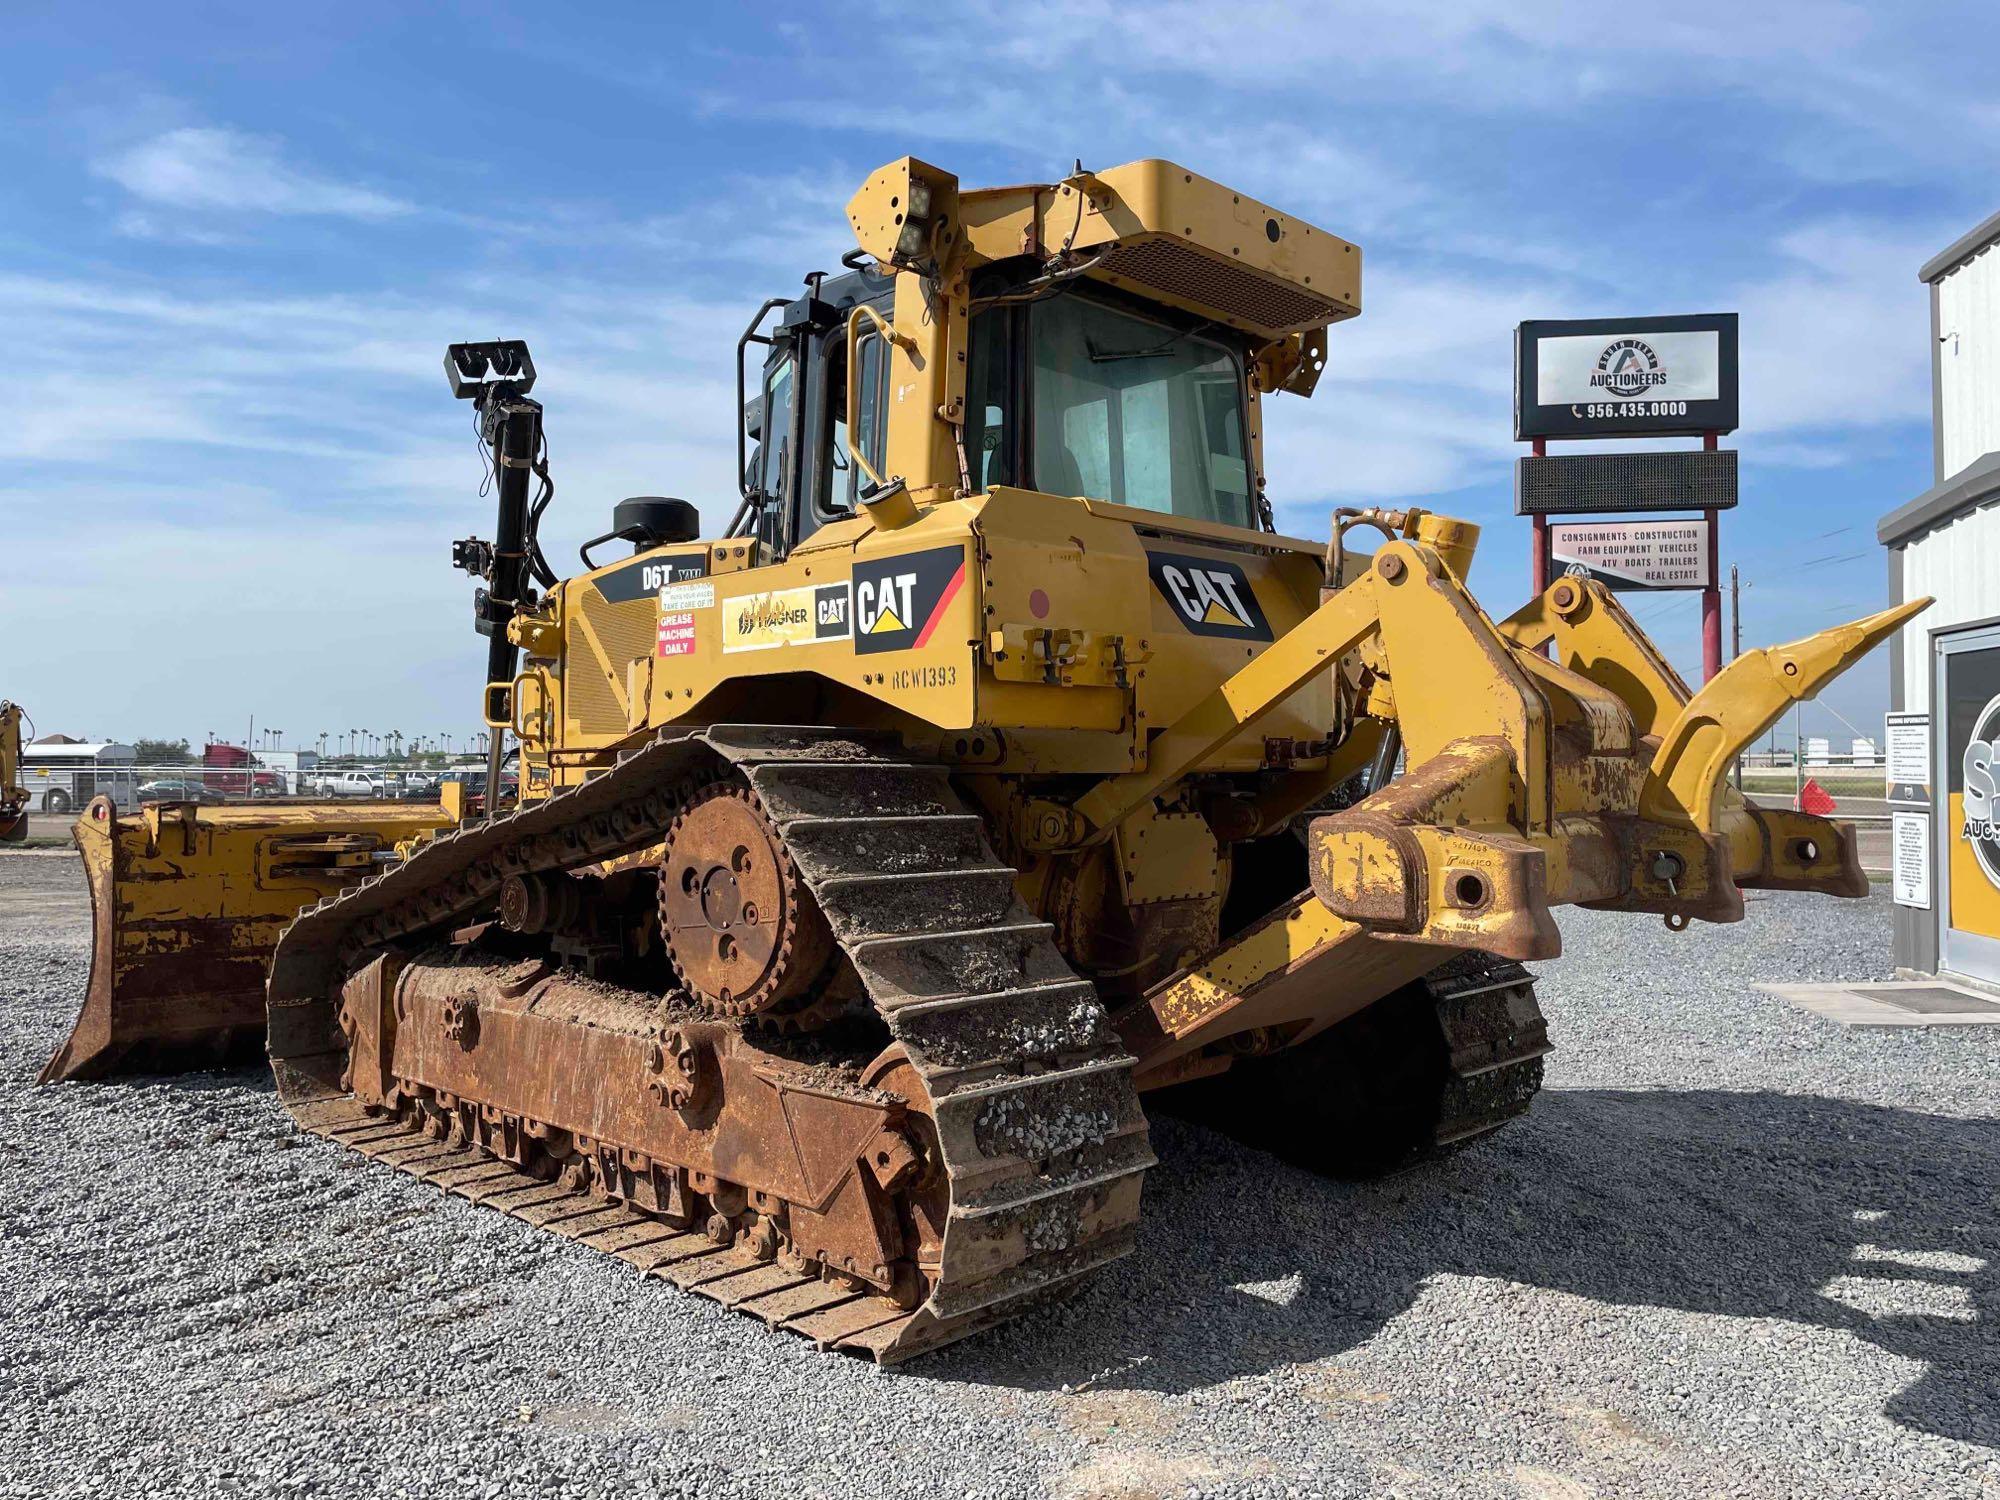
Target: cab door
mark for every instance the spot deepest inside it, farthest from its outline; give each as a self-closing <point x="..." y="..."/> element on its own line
<point x="803" y="468"/>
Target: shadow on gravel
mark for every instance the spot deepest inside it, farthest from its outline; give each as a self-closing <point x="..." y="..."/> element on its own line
<point x="1878" y="1222"/>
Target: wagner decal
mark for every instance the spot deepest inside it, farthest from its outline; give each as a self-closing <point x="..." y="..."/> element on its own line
<point x="786" y="617"/>
<point x="1211" y="597"/>
<point x="646" y="577"/>
<point x="900" y="601"/>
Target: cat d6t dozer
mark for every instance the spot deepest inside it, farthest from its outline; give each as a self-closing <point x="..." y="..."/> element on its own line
<point x="998" y="763"/>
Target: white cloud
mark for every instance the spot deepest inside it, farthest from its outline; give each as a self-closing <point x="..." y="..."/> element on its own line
<point x="1835" y="338"/>
<point x="215" y="170"/>
<point x="247" y="467"/>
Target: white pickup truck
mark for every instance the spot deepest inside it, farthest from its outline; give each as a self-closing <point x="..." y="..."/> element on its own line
<point x="350" y="784"/>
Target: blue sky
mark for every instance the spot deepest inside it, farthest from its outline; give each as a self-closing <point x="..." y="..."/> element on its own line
<point x="234" y="243"/>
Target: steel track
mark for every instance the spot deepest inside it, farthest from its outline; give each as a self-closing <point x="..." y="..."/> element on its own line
<point x="1040" y="1130"/>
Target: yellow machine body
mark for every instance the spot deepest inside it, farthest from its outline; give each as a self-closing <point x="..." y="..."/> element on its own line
<point x="1137" y="697"/>
<point x="1031" y="617"/>
<point x="1165" y="713"/>
<point x="1002" y="744"/>
<point x="13" y="795"/>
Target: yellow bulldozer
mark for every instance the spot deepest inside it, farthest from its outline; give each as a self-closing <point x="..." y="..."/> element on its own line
<point x="997" y="764"/>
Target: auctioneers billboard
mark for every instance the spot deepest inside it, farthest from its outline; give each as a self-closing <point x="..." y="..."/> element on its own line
<point x="1625" y="377"/>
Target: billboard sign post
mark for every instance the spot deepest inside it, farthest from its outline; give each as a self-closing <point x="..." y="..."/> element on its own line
<point x="1593" y="378"/>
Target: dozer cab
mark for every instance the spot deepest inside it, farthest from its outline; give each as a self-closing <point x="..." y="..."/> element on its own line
<point x="998" y="763"/>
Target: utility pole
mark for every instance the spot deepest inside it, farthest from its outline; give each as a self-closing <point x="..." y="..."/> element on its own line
<point x="1798" y="759"/>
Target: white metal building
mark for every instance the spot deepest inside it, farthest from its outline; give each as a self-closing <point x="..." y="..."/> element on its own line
<point x="1946" y="664"/>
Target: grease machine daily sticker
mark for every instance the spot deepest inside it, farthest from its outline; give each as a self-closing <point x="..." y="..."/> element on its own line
<point x="677" y="634"/>
<point x="786" y="617"/>
<point x="678" y="602"/>
<point x="899" y="601"/>
<point x="1209" y="596"/>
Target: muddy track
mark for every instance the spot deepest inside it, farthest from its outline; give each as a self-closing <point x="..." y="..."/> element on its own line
<point x="1038" y="1126"/>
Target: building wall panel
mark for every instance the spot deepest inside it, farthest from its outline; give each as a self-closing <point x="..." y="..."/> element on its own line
<point x="1969" y="359"/>
<point x="1959" y="562"/>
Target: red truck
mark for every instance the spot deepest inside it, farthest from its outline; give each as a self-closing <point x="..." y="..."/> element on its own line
<point x="231" y="771"/>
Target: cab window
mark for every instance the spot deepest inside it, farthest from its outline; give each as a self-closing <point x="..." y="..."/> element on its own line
<point x="1132" y="411"/>
<point x="773" y="461"/>
<point x="841" y="478"/>
<point x="990" y="429"/>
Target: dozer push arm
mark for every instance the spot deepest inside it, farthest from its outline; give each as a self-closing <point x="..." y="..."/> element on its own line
<point x="1595" y="779"/>
<point x="1288" y="664"/>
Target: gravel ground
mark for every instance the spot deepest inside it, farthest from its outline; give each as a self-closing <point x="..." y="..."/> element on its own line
<point x="1734" y="1250"/>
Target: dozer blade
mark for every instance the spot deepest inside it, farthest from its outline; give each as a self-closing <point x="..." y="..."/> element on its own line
<point x="186" y="905"/>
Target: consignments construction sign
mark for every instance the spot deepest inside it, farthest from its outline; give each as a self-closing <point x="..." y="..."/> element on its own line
<point x="1633" y="554"/>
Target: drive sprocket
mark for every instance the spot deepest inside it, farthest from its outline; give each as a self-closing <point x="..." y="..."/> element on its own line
<point x="743" y="933"/>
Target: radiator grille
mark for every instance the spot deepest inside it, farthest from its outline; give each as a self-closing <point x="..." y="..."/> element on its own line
<point x="1199" y="279"/>
<point x="625" y="631"/>
<point x="1579" y="482"/>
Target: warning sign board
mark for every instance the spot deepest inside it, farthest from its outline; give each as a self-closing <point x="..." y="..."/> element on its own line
<point x="1909" y="758"/>
<point x="1910" y="859"/>
<point x="1633" y="554"/>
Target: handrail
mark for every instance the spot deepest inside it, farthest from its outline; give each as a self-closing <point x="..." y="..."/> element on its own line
<point x="890" y="336"/>
<point x="750" y="336"/>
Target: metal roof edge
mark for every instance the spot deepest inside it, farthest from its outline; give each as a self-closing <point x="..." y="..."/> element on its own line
<point x="1977" y="481"/>
<point x="1961" y="250"/>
